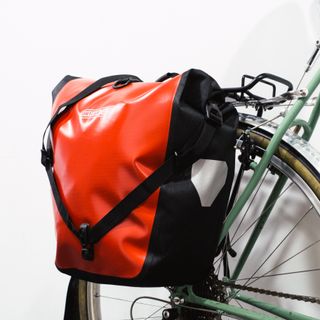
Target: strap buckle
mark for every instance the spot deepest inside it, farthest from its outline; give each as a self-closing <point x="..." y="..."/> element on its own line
<point x="87" y="247"/>
<point x="46" y="158"/>
<point x="123" y="82"/>
<point x="214" y="115"/>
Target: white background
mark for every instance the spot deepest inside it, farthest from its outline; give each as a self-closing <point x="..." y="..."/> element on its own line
<point x="41" y="41"/>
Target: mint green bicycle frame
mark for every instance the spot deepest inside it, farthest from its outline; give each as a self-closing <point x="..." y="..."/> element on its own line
<point x="288" y="121"/>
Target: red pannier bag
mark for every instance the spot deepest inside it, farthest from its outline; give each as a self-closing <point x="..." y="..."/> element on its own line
<point x="140" y="176"/>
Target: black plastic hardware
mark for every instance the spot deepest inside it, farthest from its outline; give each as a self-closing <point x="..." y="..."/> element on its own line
<point x="248" y="151"/>
<point x="87" y="247"/>
<point x="214" y="115"/>
<point x="46" y="158"/>
<point x="123" y="82"/>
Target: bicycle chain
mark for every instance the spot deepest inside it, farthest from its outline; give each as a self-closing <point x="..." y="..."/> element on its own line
<point x="271" y="292"/>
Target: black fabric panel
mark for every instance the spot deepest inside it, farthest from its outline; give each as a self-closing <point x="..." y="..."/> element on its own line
<point x="189" y="107"/>
<point x="60" y="85"/>
<point x="185" y="234"/>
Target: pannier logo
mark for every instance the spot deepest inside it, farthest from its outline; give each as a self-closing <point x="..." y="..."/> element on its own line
<point x="93" y="113"/>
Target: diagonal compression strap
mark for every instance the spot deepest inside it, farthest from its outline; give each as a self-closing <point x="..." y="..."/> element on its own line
<point x="175" y="163"/>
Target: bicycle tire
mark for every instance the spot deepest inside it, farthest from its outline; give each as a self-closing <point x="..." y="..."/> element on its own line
<point x="290" y="156"/>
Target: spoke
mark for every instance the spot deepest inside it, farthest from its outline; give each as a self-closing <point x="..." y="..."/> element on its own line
<point x="166" y="303"/>
<point x="239" y="304"/>
<point x="128" y="301"/>
<point x="247" y="283"/>
<point x="254" y="196"/>
<point x="254" y="222"/>
<point x="285" y="261"/>
<point x="153" y="313"/>
<point x="281" y="242"/>
<point x="280" y="274"/>
<point x="224" y="252"/>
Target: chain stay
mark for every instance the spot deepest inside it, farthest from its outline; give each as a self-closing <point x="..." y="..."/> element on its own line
<point x="271" y="293"/>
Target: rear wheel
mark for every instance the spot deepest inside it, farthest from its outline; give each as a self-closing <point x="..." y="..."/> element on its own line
<point x="285" y="258"/>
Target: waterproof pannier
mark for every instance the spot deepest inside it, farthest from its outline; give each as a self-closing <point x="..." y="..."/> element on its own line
<point x="140" y="175"/>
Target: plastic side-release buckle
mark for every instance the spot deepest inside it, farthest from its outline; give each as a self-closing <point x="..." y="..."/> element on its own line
<point x="214" y="115"/>
<point x="87" y="252"/>
<point x="46" y="158"/>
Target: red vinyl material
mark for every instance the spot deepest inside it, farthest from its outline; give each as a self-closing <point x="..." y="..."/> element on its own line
<point x="100" y="155"/>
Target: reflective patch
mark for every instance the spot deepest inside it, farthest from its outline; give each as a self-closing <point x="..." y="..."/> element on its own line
<point x="209" y="176"/>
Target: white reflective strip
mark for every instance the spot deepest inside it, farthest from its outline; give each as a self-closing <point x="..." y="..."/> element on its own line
<point x="209" y="176"/>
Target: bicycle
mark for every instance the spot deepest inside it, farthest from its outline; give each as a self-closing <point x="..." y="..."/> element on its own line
<point x="273" y="157"/>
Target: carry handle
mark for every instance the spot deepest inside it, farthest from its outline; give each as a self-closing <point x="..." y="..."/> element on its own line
<point x="89" y="90"/>
<point x="167" y="76"/>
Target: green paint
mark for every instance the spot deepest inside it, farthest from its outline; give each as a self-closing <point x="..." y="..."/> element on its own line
<point x="285" y="314"/>
<point x="187" y="294"/>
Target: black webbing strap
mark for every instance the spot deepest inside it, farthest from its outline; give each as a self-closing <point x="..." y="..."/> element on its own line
<point x="59" y="203"/>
